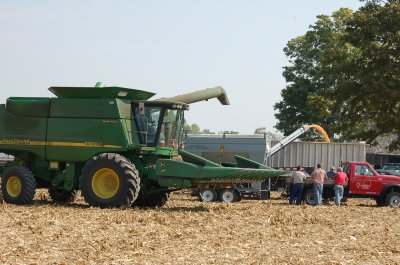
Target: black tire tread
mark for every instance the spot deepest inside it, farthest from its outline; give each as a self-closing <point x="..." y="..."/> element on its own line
<point x="132" y="180"/>
<point x="28" y="188"/>
<point x="305" y="193"/>
<point x="389" y="195"/>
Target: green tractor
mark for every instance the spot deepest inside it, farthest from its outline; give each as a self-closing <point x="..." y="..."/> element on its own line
<point x="112" y="143"/>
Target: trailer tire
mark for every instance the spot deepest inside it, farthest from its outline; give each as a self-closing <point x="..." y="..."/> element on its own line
<point x="309" y="197"/>
<point x="393" y="199"/>
<point x="209" y="195"/>
<point x="109" y="180"/>
<point x="228" y="195"/>
<point x="18" y="185"/>
<point x="152" y="201"/>
<point x="60" y="195"/>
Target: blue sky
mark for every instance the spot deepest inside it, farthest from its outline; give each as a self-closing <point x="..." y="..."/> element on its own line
<point x="167" y="47"/>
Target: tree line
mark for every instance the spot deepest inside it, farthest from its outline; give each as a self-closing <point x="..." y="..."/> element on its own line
<point x="344" y="74"/>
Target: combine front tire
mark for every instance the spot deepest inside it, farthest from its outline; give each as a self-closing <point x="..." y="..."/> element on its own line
<point x="59" y="195"/>
<point x="393" y="199"/>
<point x="109" y="180"/>
<point x="18" y="185"/>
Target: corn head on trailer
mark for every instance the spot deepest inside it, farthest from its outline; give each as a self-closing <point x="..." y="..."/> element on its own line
<point x="114" y="144"/>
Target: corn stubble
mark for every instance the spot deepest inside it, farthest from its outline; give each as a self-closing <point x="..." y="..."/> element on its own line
<point x="187" y="231"/>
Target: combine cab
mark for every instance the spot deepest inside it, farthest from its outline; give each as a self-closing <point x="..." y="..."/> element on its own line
<point x="114" y="144"/>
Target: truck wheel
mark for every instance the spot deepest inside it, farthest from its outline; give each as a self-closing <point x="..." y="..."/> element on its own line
<point x="393" y="199"/>
<point x="209" y="195"/>
<point x="309" y="197"/>
<point x="156" y="200"/>
<point x="18" y="185"/>
<point x="229" y="195"/>
<point x="60" y="195"/>
<point x="109" y="180"/>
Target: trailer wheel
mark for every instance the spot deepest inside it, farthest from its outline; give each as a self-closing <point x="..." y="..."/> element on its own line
<point x="18" y="185"/>
<point x="109" y="180"/>
<point x="393" y="199"/>
<point x="155" y="200"/>
<point x="209" y="195"/>
<point x="229" y="195"/>
<point x="60" y="195"/>
<point x="309" y="197"/>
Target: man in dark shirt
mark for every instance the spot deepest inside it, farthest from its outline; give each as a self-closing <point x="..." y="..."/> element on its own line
<point x="331" y="173"/>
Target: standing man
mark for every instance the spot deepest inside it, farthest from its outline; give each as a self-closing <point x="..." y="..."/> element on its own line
<point x="297" y="190"/>
<point x="318" y="177"/>
<point x="331" y="173"/>
<point x="340" y="180"/>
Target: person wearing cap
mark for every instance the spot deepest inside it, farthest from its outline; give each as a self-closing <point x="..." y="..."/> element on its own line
<point x="340" y="181"/>
<point x="331" y="173"/>
<point x="318" y="177"/>
<point x="297" y="189"/>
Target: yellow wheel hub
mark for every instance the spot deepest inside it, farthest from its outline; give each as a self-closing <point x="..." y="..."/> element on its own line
<point x="105" y="183"/>
<point x="14" y="186"/>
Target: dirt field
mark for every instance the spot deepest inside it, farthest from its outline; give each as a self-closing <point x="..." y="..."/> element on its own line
<point x="187" y="231"/>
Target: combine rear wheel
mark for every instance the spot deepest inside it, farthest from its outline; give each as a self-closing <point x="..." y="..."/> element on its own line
<point x="59" y="195"/>
<point x="109" y="180"/>
<point x="229" y="195"/>
<point x="18" y="185"/>
<point x="209" y="195"/>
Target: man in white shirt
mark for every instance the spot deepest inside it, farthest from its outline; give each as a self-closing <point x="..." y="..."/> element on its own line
<point x="297" y="188"/>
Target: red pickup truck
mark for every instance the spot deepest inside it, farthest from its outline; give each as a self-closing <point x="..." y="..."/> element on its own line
<point x="364" y="182"/>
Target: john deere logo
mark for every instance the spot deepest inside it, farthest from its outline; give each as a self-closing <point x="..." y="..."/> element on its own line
<point x="14" y="141"/>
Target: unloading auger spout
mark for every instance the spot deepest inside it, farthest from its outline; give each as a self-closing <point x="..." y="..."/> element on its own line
<point x="205" y="94"/>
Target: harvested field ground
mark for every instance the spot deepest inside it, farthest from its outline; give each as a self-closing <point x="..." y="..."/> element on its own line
<point x="187" y="231"/>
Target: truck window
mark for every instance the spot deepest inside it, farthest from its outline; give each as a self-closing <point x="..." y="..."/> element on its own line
<point x="363" y="170"/>
<point x="390" y="167"/>
<point x="171" y="127"/>
<point x="346" y="169"/>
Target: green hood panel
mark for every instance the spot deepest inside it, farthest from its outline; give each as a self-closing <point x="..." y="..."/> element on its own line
<point x="101" y="92"/>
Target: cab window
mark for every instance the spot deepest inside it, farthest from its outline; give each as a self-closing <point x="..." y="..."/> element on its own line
<point x="363" y="170"/>
<point x="148" y="124"/>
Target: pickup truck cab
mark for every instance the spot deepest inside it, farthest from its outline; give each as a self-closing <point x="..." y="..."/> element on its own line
<point x="390" y="169"/>
<point x="364" y="182"/>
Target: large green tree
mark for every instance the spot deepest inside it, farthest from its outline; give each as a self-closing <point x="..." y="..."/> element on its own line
<point x="345" y="74"/>
<point x="368" y="85"/>
<point x="302" y="99"/>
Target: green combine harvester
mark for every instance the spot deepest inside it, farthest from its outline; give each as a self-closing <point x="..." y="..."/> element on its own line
<point x="115" y="145"/>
